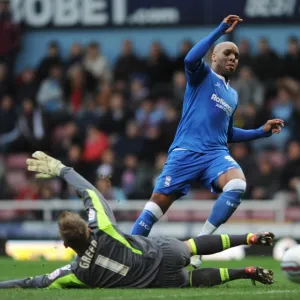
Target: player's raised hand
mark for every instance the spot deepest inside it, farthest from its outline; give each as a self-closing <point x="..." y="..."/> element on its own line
<point x="274" y="125"/>
<point x="232" y="21"/>
<point x="45" y="165"/>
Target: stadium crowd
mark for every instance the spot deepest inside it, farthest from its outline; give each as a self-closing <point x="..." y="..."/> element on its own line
<point x="114" y="123"/>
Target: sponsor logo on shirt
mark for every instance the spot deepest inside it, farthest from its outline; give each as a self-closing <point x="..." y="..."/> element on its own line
<point x="220" y="103"/>
<point x="92" y="215"/>
<point x="54" y="274"/>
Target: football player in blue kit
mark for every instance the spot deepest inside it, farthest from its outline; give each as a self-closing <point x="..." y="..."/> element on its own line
<point x="199" y="150"/>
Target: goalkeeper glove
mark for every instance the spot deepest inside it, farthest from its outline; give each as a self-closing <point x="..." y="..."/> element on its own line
<point x="45" y="165"/>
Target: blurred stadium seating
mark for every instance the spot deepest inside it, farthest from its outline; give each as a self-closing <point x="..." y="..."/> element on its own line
<point x="116" y="117"/>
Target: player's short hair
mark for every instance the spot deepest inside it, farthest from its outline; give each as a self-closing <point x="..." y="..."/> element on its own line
<point x="74" y="231"/>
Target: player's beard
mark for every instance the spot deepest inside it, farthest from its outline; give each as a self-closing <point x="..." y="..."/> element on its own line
<point x="226" y="72"/>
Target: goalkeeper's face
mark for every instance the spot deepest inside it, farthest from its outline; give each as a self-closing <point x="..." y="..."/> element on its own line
<point x="225" y="59"/>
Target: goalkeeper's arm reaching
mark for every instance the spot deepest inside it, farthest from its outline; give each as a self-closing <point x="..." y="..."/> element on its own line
<point x="94" y="202"/>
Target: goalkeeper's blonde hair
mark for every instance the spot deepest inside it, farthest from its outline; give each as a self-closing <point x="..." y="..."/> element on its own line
<point x="74" y="231"/>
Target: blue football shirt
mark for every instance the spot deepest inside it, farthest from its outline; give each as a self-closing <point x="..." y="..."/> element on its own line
<point x="208" y="108"/>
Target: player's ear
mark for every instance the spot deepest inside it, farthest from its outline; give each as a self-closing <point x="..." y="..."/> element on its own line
<point x="213" y="57"/>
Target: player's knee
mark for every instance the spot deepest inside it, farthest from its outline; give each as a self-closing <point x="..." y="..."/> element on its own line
<point x="235" y="185"/>
<point x="163" y="201"/>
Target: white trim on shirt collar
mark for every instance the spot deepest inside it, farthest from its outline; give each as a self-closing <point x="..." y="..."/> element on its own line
<point x="222" y="78"/>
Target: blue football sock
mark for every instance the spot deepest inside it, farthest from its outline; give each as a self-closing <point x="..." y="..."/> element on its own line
<point x="225" y="206"/>
<point x="144" y="223"/>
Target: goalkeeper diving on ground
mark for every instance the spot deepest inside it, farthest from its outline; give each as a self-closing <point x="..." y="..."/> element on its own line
<point x="108" y="258"/>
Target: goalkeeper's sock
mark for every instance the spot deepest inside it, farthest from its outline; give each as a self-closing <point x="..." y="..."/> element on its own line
<point x="209" y="276"/>
<point x="210" y="244"/>
<point x="149" y="216"/>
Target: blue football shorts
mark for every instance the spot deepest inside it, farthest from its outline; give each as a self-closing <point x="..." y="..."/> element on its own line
<point x="184" y="166"/>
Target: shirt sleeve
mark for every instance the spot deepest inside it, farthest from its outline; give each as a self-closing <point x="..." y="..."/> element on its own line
<point x="195" y="67"/>
<point x="97" y="208"/>
<point x="61" y="278"/>
<point x="237" y="135"/>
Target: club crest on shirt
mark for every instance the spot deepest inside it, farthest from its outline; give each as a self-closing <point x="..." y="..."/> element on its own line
<point x="168" y="180"/>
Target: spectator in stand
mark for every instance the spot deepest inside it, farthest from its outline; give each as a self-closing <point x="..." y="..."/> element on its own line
<point x="246" y="58"/>
<point x="178" y="88"/>
<point x="153" y="145"/>
<point x="265" y="182"/>
<point x="184" y="48"/>
<point x="295" y="120"/>
<point x="138" y="91"/>
<point x="50" y="94"/>
<point x="246" y="117"/>
<point x="103" y="98"/>
<point x="27" y="87"/>
<point x="32" y="127"/>
<point x="88" y="116"/>
<point x="160" y="161"/>
<point x="158" y="66"/>
<point x="149" y="114"/>
<point x="75" y="88"/>
<point x="9" y="130"/>
<point x="73" y="160"/>
<point x="268" y="64"/>
<point x="29" y="192"/>
<point x="96" y="142"/>
<point x="290" y="175"/>
<point x="109" y="191"/>
<point x="75" y="56"/>
<point x="107" y="167"/>
<point x="135" y="179"/>
<point x="249" y="89"/>
<point x="63" y="137"/>
<point x="53" y="58"/>
<point x="114" y="121"/>
<point x="10" y="37"/>
<point x="291" y="61"/>
<point x="127" y="63"/>
<point x="281" y="108"/>
<point x="241" y="152"/>
<point x="131" y="142"/>
<point x="168" y="127"/>
<point x="5" y="83"/>
<point x="96" y="65"/>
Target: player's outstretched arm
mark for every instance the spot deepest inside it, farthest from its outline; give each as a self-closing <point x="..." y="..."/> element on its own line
<point x="59" y="279"/>
<point x="49" y="167"/>
<point x="237" y="135"/>
<point x="194" y="57"/>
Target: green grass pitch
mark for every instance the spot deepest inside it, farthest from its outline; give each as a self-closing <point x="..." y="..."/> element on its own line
<point x="237" y="290"/>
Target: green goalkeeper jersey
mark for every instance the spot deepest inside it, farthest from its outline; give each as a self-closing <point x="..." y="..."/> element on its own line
<point x="113" y="259"/>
